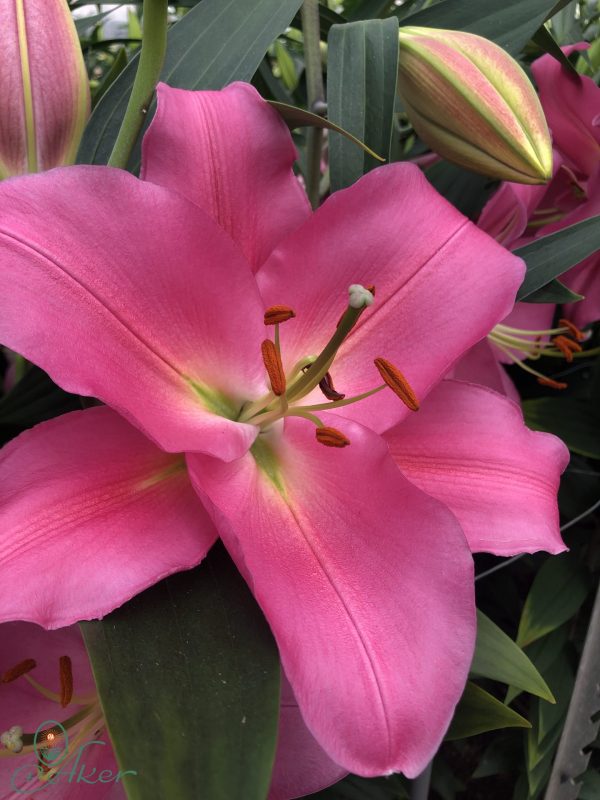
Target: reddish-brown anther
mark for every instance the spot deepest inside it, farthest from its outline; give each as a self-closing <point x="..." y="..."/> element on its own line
<point x="567" y="346"/>
<point x="276" y="314"/>
<point x="331" y="437"/>
<point x="274" y="367"/>
<point x="66" y="680"/>
<point x="22" y="668"/>
<point x="544" y="381"/>
<point x="397" y="383"/>
<point x="327" y="387"/>
<point x="573" y="329"/>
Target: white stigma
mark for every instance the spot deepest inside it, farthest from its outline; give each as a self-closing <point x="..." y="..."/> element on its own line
<point x="359" y="296"/>
<point x="12" y="740"/>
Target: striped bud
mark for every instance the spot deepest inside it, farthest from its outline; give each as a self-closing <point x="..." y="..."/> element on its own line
<point x="473" y="104"/>
<point x="44" y="90"/>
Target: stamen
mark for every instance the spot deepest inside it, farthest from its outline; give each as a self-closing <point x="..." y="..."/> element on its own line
<point x="545" y="381"/>
<point x="567" y="347"/>
<point x="274" y="367"/>
<point x="21" y="668"/>
<point x="66" y="680"/>
<point x="276" y="314"/>
<point x="331" y="437"/>
<point x="326" y="386"/>
<point x="397" y="383"/>
<point x="579" y="335"/>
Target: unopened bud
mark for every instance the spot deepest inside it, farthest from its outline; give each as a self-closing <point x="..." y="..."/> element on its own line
<point x="473" y="104"/>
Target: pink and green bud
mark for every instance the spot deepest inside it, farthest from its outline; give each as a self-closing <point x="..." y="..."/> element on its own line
<point x="473" y="104"/>
<point x="44" y="92"/>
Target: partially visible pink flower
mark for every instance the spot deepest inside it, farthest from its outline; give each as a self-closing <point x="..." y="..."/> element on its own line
<point x="518" y="214"/>
<point x="34" y="698"/>
<point x="44" y="90"/>
<point x="30" y="701"/>
<point x="150" y="295"/>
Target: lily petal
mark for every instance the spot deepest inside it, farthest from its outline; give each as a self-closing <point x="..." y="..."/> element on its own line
<point x="44" y="88"/>
<point x="91" y="513"/>
<point x="21" y="704"/>
<point x="571" y="104"/>
<point x="481" y="365"/>
<point x="469" y="447"/>
<point x="230" y="153"/>
<point x="110" y="286"/>
<point x="441" y="285"/>
<point x="367" y="585"/>
<point x="301" y="765"/>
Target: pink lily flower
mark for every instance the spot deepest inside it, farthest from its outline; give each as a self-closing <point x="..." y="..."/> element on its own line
<point x="34" y="694"/>
<point x="44" y="90"/>
<point x="32" y="687"/>
<point x="519" y="214"/>
<point x="151" y="295"/>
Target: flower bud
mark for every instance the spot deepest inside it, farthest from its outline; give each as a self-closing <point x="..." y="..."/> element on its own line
<point x="473" y="104"/>
<point x="44" y="91"/>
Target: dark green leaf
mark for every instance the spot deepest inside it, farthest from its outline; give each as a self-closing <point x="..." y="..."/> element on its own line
<point x="576" y="421"/>
<point x="465" y="190"/>
<point x="362" y="69"/>
<point x="327" y="18"/>
<point x="544" y="39"/>
<point x="118" y="65"/>
<point x="188" y="676"/>
<point x="557" y="592"/>
<point x="83" y="24"/>
<point x="478" y="711"/>
<point x="299" y="118"/>
<point x="355" y="788"/>
<point x="510" y="24"/>
<point x="550" y="256"/>
<point x="553" y="292"/>
<point x="34" y="399"/>
<point x="370" y="9"/>
<point x="217" y="42"/>
<point x="499" y="658"/>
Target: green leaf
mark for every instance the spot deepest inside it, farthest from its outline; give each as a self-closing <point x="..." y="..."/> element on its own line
<point x="327" y="18"/>
<point x="478" y="711"/>
<point x="118" y="65"/>
<point x="550" y="256"/>
<point x="510" y="24"/>
<point x="83" y="24"/>
<point x="576" y="421"/>
<point x="300" y="118"/>
<point x="499" y="658"/>
<point x="188" y="676"/>
<point x="34" y="399"/>
<point x="216" y="42"/>
<point x="553" y="292"/>
<point x="362" y="67"/>
<point x="286" y="66"/>
<point x="465" y="190"/>
<point x="544" y="39"/>
<point x="557" y="592"/>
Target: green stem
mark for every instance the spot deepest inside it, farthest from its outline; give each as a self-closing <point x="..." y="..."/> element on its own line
<point x="152" y="55"/>
<point x="315" y="95"/>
